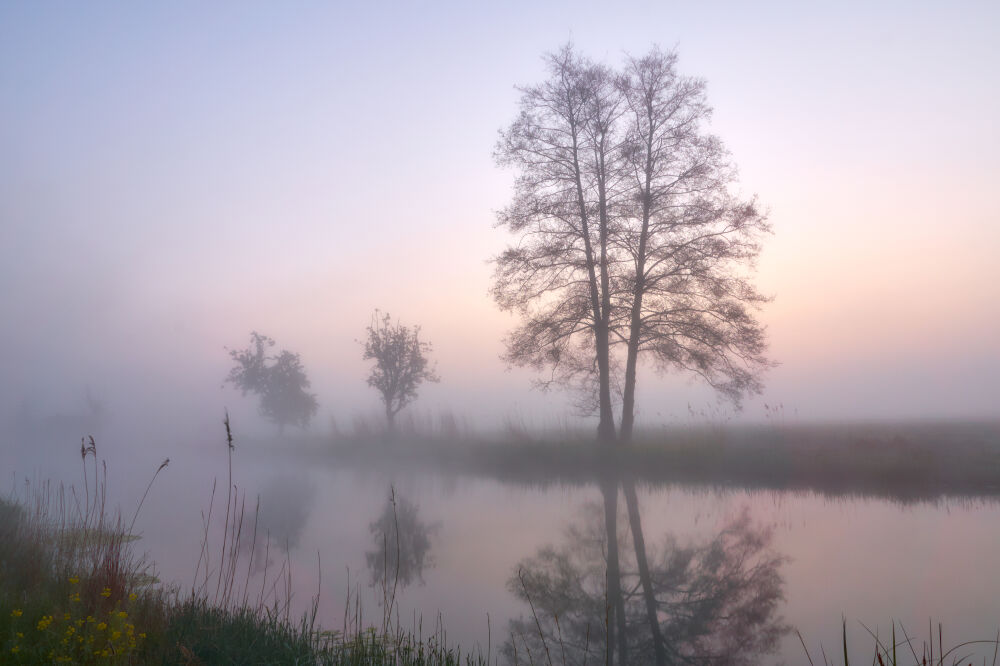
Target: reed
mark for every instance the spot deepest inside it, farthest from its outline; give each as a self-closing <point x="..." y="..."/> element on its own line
<point x="72" y="590"/>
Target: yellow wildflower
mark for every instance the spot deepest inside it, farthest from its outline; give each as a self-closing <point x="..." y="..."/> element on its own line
<point x="122" y="614"/>
<point x="74" y="581"/>
<point x="102" y="626"/>
<point x="106" y="592"/>
<point x="15" y="649"/>
<point x="133" y="596"/>
<point x="17" y="612"/>
<point x="115" y="635"/>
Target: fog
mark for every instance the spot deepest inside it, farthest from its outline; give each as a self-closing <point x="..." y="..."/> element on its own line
<point x="165" y="191"/>
<point x="173" y="178"/>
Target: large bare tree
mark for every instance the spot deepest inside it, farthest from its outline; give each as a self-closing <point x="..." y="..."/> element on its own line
<point x="687" y="237"/>
<point x="565" y="145"/>
<point x="630" y="241"/>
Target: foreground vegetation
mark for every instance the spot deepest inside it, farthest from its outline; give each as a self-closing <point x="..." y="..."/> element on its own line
<point x="72" y="590"/>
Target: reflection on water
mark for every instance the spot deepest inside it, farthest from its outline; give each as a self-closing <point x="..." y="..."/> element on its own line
<point x="402" y="544"/>
<point x="716" y="583"/>
<point x="284" y="504"/>
<point x="605" y="595"/>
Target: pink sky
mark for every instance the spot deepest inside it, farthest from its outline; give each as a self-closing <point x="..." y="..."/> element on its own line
<point x="171" y="179"/>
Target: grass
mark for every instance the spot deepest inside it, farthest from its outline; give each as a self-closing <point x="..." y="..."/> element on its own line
<point x="895" y="651"/>
<point x="72" y="590"/>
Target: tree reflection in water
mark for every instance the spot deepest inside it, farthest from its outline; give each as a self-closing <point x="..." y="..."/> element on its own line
<point x="402" y="544"/>
<point x="278" y="519"/>
<point x="713" y="602"/>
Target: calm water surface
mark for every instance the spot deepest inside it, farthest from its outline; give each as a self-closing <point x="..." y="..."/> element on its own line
<point x="730" y="572"/>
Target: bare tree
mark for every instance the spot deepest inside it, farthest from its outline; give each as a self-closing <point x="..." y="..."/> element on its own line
<point x="280" y="381"/>
<point x="558" y="276"/>
<point x="686" y="236"/>
<point x="715" y="601"/>
<point x="402" y="544"/>
<point x="401" y="363"/>
<point x="629" y="241"/>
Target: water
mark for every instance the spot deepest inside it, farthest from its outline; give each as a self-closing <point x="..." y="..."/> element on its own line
<point x="766" y="561"/>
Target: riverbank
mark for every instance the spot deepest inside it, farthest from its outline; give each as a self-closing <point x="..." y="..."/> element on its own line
<point x="905" y="462"/>
<point x="73" y="590"/>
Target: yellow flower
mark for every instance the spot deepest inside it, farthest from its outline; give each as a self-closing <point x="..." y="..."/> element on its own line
<point x="142" y="635"/>
<point x="133" y="596"/>
<point x="106" y="592"/>
<point x="66" y="616"/>
<point x="15" y="649"/>
<point x="20" y="635"/>
<point x="17" y="612"/>
<point x="115" y="635"/>
<point x="74" y="581"/>
<point x="102" y="626"/>
<point x="122" y="614"/>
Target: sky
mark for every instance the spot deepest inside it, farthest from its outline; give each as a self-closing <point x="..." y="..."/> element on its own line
<point x="175" y="175"/>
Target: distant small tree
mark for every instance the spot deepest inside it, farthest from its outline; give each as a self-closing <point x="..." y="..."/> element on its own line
<point x="401" y="364"/>
<point x="280" y="381"/>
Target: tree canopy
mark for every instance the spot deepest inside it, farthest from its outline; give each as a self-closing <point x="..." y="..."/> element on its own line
<point x="401" y="363"/>
<point x="629" y="240"/>
<point x="280" y="381"/>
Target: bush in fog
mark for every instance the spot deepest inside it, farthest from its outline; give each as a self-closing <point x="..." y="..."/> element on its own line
<point x="401" y="364"/>
<point x="279" y="380"/>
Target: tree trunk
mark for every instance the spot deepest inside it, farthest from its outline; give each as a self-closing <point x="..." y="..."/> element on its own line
<point x="390" y="418"/>
<point x="606" y="429"/>
<point x="639" y="289"/>
<point x="635" y="524"/>
<point x="616" y="602"/>
<point x="600" y="305"/>
<point x="606" y="425"/>
<point x="628" y="394"/>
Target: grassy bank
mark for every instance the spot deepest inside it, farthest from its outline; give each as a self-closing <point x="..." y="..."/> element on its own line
<point x="906" y="462"/>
